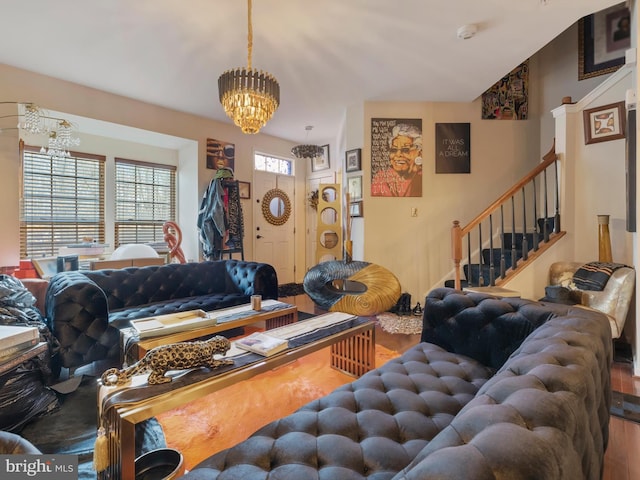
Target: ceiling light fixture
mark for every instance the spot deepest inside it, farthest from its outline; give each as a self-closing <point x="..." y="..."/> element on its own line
<point x="307" y="151"/>
<point x="33" y="120"/>
<point x="249" y="97"/>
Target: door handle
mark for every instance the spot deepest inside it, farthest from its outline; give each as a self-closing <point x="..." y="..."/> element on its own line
<point x="258" y="236"/>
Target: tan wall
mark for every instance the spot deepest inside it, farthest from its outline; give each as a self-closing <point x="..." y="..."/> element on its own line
<point x="417" y="249"/>
<point x="53" y="94"/>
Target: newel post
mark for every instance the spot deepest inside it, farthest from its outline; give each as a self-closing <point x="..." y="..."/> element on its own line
<point x="456" y="251"/>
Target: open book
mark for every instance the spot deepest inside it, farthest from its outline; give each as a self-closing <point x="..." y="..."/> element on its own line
<point x="262" y="343"/>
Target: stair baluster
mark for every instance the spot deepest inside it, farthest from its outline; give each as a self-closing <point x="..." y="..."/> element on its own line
<point x="535" y="215"/>
<point x="545" y="227"/>
<point x="484" y="271"/>
<point x="556" y="218"/>
<point x="514" y="253"/>
<point x="503" y="260"/>
<point x="480" y="269"/>
<point x="525" y="243"/>
<point x="492" y="268"/>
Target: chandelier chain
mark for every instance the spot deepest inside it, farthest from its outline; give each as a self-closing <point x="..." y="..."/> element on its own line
<point x="249" y="34"/>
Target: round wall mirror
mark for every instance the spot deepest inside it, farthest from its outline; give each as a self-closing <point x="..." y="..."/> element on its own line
<point x="276" y="207"/>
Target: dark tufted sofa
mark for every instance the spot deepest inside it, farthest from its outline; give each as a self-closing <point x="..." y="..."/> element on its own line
<point x="497" y="389"/>
<point x="85" y="309"/>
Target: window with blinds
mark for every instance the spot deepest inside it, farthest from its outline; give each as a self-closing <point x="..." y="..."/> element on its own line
<point x="145" y="199"/>
<point x="62" y="201"/>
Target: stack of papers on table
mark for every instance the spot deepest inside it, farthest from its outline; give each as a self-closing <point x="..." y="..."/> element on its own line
<point x="172" y="323"/>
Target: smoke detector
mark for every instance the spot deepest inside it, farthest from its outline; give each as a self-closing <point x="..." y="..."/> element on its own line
<point x="466" y="32"/>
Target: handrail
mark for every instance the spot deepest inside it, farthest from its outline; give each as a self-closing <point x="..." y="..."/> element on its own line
<point x="548" y="159"/>
<point x="458" y="232"/>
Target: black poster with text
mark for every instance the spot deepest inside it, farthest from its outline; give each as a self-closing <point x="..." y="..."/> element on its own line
<point x="453" y="148"/>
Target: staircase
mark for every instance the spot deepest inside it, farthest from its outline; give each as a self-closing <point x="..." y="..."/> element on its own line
<point x="500" y="241"/>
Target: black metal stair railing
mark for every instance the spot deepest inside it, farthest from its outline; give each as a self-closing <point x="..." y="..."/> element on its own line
<point x="486" y="264"/>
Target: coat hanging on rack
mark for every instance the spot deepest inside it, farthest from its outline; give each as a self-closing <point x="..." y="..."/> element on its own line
<point x="220" y="218"/>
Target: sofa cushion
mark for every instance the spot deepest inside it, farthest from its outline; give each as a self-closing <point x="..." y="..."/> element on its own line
<point x="481" y="326"/>
<point x="370" y="428"/>
<point x="543" y="415"/>
<point x="214" y="301"/>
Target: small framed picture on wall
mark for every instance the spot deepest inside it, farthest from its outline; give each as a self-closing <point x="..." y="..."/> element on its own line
<point x="321" y="162"/>
<point x="244" y="189"/>
<point x="353" y="160"/>
<point x="355" y="187"/>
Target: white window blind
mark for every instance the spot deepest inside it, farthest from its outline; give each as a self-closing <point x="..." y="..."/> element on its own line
<point x="62" y="201"/>
<point x="145" y="199"/>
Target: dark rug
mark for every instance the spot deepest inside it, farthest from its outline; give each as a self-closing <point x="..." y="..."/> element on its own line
<point x="71" y="429"/>
<point x="625" y="406"/>
<point x="290" y="290"/>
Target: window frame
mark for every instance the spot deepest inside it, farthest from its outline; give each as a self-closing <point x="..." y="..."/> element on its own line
<point x="56" y="227"/>
<point x="140" y="229"/>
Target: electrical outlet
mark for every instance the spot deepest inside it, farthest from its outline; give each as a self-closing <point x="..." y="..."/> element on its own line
<point x="414" y="212"/>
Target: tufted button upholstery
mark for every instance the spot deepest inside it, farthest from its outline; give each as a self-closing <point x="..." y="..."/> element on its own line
<point x="370" y="428"/>
<point x="545" y="414"/>
<point x="85" y="309"/>
<point x="439" y="414"/>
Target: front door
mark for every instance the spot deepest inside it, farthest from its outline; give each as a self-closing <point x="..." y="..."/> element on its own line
<point x="274" y="232"/>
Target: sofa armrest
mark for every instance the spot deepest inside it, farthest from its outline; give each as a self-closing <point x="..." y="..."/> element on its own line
<point x="78" y="316"/>
<point x="544" y="415"/>
<point x="253" y="278"/>
<point x="481" y="326"/>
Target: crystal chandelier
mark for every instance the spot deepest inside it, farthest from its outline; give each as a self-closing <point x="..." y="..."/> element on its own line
<point x="36" y="121"/>
<point x="249" y="97"/>
<point x="60" y="141"/>
<point x="307" y="151"/>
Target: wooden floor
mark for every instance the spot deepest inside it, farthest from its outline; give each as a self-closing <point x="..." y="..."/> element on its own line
<point x="622" y="458"/>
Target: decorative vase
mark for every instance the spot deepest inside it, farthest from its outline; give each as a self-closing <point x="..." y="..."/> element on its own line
<point x="604" y="239"/>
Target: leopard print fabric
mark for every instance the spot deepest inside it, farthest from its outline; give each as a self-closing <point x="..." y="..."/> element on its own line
<point x="175" y="356"/>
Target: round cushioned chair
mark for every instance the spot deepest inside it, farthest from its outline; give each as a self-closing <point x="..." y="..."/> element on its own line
<point x="380" y="291"/>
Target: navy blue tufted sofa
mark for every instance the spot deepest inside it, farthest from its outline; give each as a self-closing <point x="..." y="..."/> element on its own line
<point x="84" y="310"/>
<point x="497" y="389"/>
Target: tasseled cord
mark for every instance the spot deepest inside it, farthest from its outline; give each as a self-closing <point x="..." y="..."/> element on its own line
<point x="101" y="451"/>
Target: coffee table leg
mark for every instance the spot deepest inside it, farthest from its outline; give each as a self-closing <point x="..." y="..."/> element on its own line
<point x="355" y="355"/>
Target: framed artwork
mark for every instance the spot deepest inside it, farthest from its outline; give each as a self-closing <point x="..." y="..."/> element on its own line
<point x="46" y="267"/>
<point x="604" y="123"/>
<point x="355" y="187"/>
<point x="321" y="162"/>
<point x="220" y="154"/>
<point x="453" y="148"/>
<point x="356" y="209"/>
<point x="353" y="160"/>
<point x="603" y="39"/>
<point x="396" y="157"/>
<point x="508" y="98"/>
<point x="244" y="188"/>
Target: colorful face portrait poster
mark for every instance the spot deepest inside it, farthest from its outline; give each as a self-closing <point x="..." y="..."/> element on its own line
<point x="396" y="157"/>
<point x="507" y="99"/>
<point x="220" y="154"/>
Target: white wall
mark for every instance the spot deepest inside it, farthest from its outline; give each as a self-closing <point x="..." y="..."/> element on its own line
<point x="73" y="99"/>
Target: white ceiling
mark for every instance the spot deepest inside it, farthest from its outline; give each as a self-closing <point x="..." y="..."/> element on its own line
<point x="326" y="54"/>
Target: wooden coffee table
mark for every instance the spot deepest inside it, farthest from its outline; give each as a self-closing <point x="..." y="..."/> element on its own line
<point x="273" y="313"/>
<point x="352" y="351"/>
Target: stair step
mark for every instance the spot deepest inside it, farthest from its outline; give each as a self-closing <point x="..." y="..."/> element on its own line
<point x="472" y="273"/>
